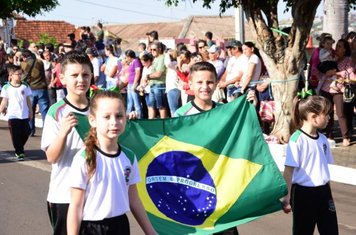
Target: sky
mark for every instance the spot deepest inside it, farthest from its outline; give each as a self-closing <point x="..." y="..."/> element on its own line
<point x="89" y="12"/>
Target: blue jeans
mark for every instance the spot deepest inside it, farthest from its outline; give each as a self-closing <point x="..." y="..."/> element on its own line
<point x="157" y="96"/>
<point x="231" y="89"/>
<point x="133" y="100"/>
<point x="41" y="98"/>
<point x="173" y="100"/>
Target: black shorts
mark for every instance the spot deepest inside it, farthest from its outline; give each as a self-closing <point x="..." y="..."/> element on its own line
<point x="313" y="206"/>
<point x="118" y="225"/>
<point x="57" y="213"/>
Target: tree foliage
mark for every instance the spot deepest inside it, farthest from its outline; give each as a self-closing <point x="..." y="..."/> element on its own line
<point x="283" y="53"/>
<point x="226" y="4"/>
<point x="28" y="7"/>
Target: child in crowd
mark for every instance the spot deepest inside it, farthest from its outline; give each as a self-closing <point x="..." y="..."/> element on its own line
<point x="16" y="99"/>
<point x="306" y="169"/>
<point x="104" y="175"/>
<point x="326" y="52"/>
<point x="327" y="60"/>
<point x="203" y="81"/>
<point x="60" y="140"/>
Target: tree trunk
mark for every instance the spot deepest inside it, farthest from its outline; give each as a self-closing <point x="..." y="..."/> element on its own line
<point x="284" y="56"/>
<point x="283" y="93"/>
<point x="335" y="20"/>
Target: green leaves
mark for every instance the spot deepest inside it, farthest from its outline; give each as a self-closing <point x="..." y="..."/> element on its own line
<point x="28" y="7"/>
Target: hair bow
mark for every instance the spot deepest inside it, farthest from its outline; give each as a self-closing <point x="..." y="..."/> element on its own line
<point x="304" y="94"/>
<point x="95" y="89"/>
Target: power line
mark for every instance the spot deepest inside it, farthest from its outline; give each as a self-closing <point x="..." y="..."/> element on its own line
<point x="126" y="10"/>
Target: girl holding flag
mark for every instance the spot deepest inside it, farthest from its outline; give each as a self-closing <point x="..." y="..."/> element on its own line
<point x="104" y="175"/>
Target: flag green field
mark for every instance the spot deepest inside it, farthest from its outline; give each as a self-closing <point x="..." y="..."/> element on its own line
<point x="207" y="172"/>
<point x="203" y="173"/>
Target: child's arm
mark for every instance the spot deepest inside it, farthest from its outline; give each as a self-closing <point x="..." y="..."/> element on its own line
<point x="139" y="212"/>
<point x="3" y="105"/>
<point x="29" y="105"/>
<point x="54" y="150"/>
<point x="75" y="211"/>
<point x="288" y="173"/>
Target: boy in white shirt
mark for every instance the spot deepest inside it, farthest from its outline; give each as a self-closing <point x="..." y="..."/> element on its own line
<point x="16" y="99"/>
<point x="60" y="140"/>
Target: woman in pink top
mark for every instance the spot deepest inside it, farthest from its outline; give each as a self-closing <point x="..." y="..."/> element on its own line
<point x="333" y="89"/>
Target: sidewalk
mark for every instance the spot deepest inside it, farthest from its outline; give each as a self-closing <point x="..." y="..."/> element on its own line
<point x="344" y="168"/>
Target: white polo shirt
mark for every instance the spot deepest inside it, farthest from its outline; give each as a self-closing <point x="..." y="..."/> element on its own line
<point x="106" y="193"/>
<point x="310" y="157"/>
<point x="59" y="183"/>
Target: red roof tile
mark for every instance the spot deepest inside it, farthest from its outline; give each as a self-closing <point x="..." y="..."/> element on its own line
<point x="32" y="29"/>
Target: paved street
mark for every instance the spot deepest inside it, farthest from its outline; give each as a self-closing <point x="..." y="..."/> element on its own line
<point x="23" y="190"/>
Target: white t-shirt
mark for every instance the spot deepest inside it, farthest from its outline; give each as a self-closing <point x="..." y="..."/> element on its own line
<point x="145" y="72"/>
<point x="59" y="183"/>
<point x="246" y="61"/>
<point x="110" y="63"/>
<point x="310" y="157"/>
<point x="325" y="55"/>
<point x="96" y="67"/>
<point x="171" y="74"/>
<point x="234" y="67"/>
<point x="219" y="67"/>
<point x="17" y="100"/>
<point x="106" y="193"/>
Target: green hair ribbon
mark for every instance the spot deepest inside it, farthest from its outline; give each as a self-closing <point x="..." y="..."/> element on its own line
<point x="95" y="89"/>
<point x="304" y="94"/>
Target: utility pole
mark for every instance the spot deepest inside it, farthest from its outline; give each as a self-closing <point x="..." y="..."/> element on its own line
<point x="8" y="25"/>
<point x="239" y="24"/>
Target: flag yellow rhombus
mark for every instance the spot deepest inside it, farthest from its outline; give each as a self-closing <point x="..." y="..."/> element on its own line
<point x="230" y="176"/>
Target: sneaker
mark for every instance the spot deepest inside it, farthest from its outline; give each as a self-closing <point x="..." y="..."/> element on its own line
<point x="20" y="156"/>
<point x="346" y="142"/>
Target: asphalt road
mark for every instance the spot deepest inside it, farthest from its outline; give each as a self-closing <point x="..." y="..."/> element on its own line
<point x="23" y="190"/>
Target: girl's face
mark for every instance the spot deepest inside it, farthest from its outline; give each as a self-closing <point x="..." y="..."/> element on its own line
<point x="328" y="44"/>
<point x="146" y="64"/>
<point x="107" y="52"/>
<point x="248" y="51"/>
<point x="340" y="50"/>
<point x="320" y="120"/>
<point x="109" y="119"/>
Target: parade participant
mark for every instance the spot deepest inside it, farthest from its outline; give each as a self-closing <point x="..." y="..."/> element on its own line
<point x="306" y="169"/>
<point x="60" y="140"/>
<point x="104" y="166"/>
<point x="16" y="98"/>
<point x="203" y="81"/>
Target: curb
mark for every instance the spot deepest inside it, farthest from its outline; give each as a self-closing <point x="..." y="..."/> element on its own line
<point x="38" y="121"/>
<point x="340" y="174"/>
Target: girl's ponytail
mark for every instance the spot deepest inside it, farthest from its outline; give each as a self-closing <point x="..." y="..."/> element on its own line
<point x="90" y="143"/>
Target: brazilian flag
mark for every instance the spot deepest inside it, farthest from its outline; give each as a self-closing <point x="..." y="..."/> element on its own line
<point x="207" y="172"/>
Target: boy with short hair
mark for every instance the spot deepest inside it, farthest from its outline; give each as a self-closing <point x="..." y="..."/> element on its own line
<point x="203" y="81"/>
<point x="60" y="140"/>
<point x="16" y="98"/>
